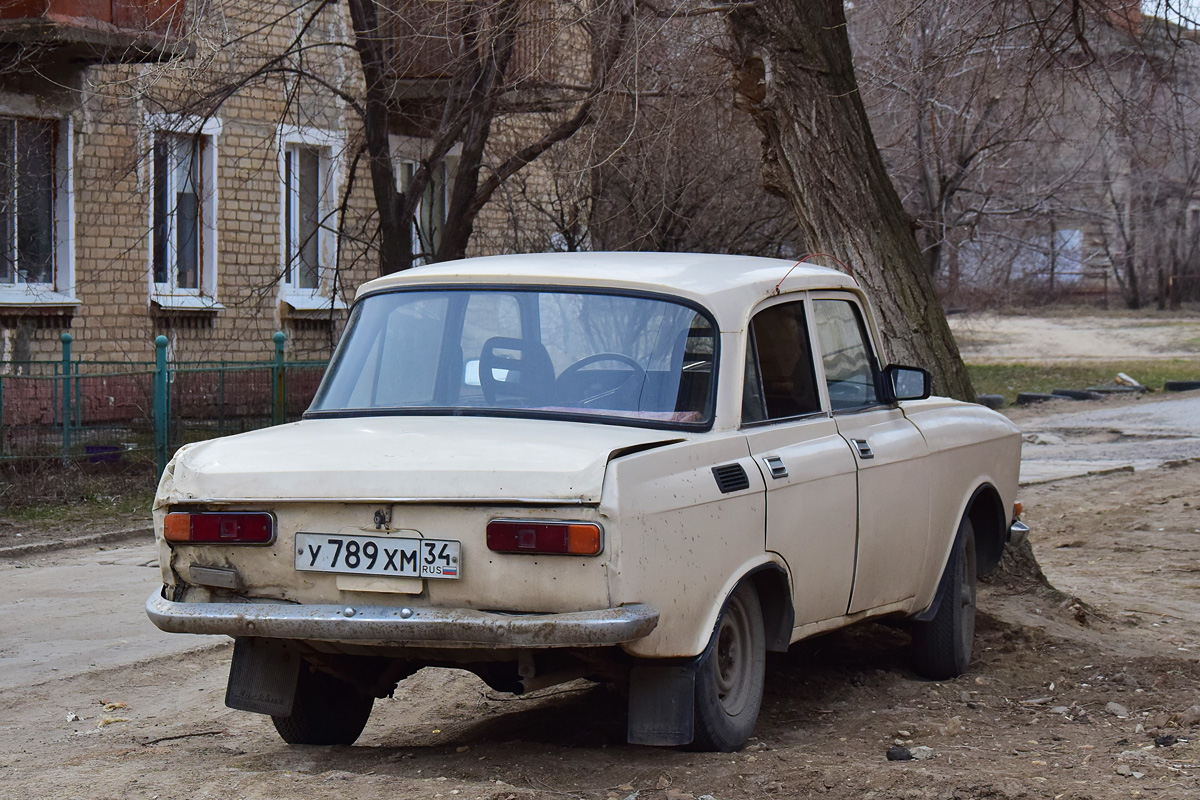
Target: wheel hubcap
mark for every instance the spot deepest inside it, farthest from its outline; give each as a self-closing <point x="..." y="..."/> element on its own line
<point x="732" y="657"/>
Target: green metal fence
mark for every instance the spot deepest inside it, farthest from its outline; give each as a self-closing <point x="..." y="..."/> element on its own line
<point x="98" y="411"/>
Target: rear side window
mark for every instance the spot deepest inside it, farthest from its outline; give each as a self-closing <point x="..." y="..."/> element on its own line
<point x="846" y="355"/>
<point x="780" y="380"/>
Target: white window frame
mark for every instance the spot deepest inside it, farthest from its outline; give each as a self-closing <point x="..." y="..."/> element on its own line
<point x="169" y="294"/>
<point x="330" y="146"/>
<point x="410" y="151"/>
<point x="60" y="291"/>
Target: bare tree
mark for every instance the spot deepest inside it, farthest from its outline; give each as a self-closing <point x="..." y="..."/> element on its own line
<point x="953" y="101"/>
<point x="1035" y="143"/>
<point x="444" y="73"/>
<point x="675" y="162"/>
<point x="794" y="68"/>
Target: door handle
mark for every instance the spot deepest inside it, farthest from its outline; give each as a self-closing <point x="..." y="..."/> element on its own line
<point x="776" y="466"/>
<point x="864" y="449"/>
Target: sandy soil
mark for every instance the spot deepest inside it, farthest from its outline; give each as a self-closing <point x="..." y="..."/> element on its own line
<point x="988" y="338"/>
<point x="1064" y="701"/>
<point x="1087" y="693"/>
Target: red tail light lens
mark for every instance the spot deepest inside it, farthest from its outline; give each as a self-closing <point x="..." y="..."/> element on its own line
<point x="232" y="527"/>
<point x="544" y="538"/>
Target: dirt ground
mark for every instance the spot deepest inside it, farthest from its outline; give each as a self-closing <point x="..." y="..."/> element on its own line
<point x="1081" y="336"/>
<point x="1065" y="699"/>
<point x="1091" y="692"/>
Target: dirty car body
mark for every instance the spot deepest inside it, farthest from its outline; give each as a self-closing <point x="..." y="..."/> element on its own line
<point x="635" y="468"/>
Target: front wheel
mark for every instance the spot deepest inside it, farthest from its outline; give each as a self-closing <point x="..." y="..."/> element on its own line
<point x="729" y="680"/>
<point x="942" y="646"/>
<point x="327" y="711"/>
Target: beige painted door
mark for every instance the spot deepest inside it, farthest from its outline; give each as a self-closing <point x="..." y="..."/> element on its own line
<point x="811" y="511"/>
<point x="808" y="468"/>
<point x="893" y="460"/>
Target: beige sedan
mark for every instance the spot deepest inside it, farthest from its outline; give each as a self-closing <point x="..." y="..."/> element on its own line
<point x="645" y="469"/>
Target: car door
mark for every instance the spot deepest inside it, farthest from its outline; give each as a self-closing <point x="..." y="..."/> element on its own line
<point x="808" y="468"/>
<point x="892" y="457"/>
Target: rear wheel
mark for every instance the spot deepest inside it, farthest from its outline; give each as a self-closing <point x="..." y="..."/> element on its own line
<point x="729" y="680"/>
<point x="327" y="710"/>
<point x="942" y="646"/>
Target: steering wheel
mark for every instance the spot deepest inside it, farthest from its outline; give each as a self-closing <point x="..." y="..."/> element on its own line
<point x="636" y="376"/>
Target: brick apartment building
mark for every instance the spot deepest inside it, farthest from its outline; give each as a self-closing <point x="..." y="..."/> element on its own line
<point x="132" y="204"/>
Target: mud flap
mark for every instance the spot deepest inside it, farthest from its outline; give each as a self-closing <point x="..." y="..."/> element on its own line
<point x="661" y="704"/>
<point x="262" y="678"/>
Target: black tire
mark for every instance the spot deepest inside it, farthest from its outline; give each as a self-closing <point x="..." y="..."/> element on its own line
<point x="327" y="711"/>
<point x="941" y="647"/>
<point x="1078" y="394"/>
<point x="1029" y="398"/>
<point x="729" y="680"/>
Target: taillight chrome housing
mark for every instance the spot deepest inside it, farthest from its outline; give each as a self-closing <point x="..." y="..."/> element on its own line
<point x="542" y="537"/>
<point x="219" y="527"/>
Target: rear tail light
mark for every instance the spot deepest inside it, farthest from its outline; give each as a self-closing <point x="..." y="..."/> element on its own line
<point x="546" y="538"/>
<point x="231" y="527"/>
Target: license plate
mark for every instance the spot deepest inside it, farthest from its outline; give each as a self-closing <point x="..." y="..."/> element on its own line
<point x="383" y="556"/>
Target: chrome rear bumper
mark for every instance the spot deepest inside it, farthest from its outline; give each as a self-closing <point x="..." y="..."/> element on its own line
<point x="410" y="625"/>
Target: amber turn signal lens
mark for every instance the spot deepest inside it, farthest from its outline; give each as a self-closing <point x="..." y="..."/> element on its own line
<point x="583" y="540"/>
<point x="1018" y="509"/>
<point x="538" y="537"/>
<point x="231" y="527"/>
<point x="177" y="527"/>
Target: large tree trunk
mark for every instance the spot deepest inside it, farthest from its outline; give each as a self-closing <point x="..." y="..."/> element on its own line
<point x="394" y="250"/>
<point x="796" y="77"/>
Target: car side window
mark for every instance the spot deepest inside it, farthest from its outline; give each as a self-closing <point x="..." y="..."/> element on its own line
<point x="488" y="314"/>
<point x="849" y="366"/>
<point x="780" y="379"/>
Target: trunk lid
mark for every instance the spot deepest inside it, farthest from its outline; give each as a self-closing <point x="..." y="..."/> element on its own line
<point x="406" y="458"/>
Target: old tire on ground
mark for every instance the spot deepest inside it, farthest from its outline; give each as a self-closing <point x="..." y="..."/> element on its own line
<point x="941" y="647"/>
<point x="327" y="711"/>
<point x="990" y="400"/>
<point x="729" y="680"/>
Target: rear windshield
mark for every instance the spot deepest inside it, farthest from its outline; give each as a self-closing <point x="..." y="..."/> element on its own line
<point x="572" y="353"/>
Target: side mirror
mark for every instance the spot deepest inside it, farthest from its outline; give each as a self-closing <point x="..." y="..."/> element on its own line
<point x="907" y="383"/>
<point x="471" y="373"/>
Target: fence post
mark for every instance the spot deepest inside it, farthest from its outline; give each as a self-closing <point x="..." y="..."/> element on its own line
<point x="277" y="381"/>
<point x="160" y="402"/>
<point x="66" y="397"/>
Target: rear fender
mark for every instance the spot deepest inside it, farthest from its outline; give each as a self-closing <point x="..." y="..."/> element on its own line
<point x="985" y="509"/>
<point x="770" y="579"/>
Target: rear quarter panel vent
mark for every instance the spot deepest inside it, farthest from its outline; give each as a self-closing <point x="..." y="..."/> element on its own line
<point x="731" y="478"/>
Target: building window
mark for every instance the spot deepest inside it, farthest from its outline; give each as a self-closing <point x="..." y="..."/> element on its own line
<point x="34" y="211"/>
<point x="177" y="192"/>
<point x="429" y="220"/>
<point x="183" y="229"/>
<point x="302" y="216"/>
<point x="309" y="166"/>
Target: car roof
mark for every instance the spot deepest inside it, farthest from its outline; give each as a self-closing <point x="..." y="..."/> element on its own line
<point x="727" y="285"/>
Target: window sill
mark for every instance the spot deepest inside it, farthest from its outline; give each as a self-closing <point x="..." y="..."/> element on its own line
<point x="185" y="302"/>
<point x="306" y="304"/>
<point x="34" y="298"/>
